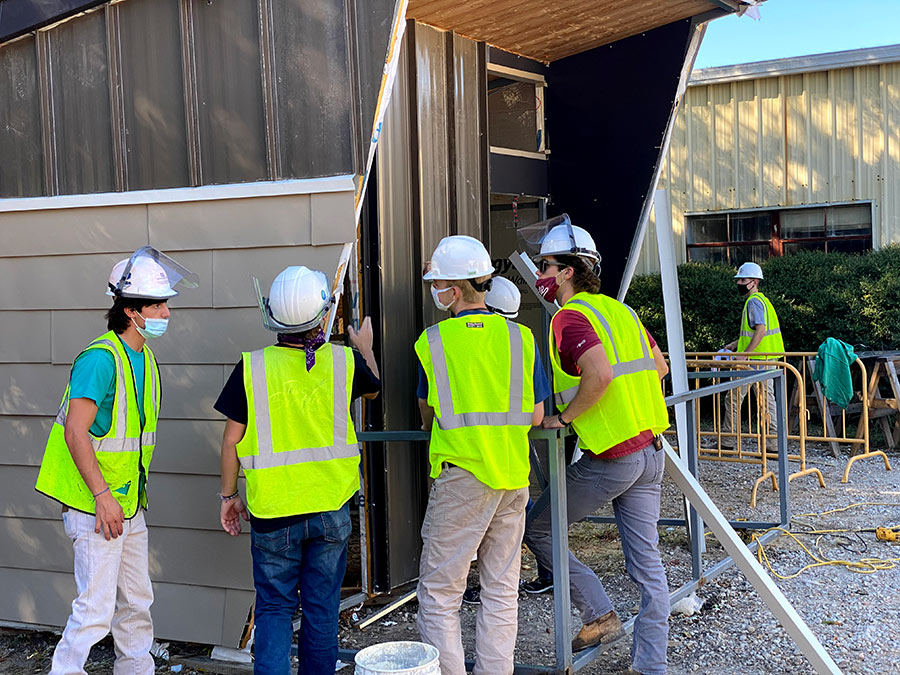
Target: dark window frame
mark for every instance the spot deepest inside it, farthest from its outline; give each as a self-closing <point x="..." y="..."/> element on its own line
<point x="776" y="242"/>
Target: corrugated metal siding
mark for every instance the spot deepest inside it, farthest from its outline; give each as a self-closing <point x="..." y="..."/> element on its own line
<point x="811" y="138"/>
<point x="53" y="269"/>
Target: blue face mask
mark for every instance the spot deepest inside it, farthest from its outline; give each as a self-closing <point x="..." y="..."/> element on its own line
<point x="153" y="328"/>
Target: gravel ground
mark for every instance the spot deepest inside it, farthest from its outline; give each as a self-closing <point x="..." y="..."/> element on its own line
<point x="856" y="616"/>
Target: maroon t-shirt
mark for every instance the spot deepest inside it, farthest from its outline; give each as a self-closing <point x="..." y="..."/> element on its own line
<point x="574" y="335"/>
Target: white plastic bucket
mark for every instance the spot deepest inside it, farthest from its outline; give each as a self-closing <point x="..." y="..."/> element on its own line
<point x="398" y="658"/>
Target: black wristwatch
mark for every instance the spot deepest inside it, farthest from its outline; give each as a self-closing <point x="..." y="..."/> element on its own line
<point x="561" y="420"/>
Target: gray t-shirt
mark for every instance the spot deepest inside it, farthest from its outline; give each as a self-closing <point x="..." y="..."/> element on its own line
<point x="756" y="313"/>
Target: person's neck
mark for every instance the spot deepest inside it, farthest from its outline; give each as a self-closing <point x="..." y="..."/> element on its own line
<point x="462" y="306"/>
<point x="132" y="338"/>
<point x="565" y="293"/>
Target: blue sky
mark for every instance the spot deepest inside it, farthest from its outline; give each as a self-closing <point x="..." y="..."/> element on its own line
<point x="799" y="27"/>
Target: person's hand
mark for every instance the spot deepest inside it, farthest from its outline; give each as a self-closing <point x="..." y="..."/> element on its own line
<point x="362" y="338"/>
<point x="230" y="515"/>
<point x="109" y="516"/>
<point x="552" y="422"/>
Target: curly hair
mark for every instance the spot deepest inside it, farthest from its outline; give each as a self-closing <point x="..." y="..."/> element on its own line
<point x="584" y="280"/>
<point x="116" y="318"/>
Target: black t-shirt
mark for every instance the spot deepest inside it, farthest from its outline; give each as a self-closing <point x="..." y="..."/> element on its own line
<point x="232" y="403"/>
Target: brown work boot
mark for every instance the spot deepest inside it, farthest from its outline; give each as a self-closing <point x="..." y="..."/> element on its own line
<point x="604" y="630"/>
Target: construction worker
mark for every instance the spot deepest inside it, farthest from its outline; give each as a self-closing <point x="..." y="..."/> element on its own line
<point x="504" y="299"/>
<point x="759" y="332"/>
<point x="606" y="372"/>
<point x="96" y="465"/>
<point x="289" y="428"/>
<point x="481" y="389"/>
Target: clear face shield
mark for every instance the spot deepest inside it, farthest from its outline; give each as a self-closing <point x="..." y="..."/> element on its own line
<point x="530" y="237"/>
<point x="272" y="324"/>
<point x="177" y="274"/>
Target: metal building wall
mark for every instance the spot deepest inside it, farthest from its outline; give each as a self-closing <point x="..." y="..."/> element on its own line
<point x="810" y="138"/>
<point x="148" y="94"/>
<point x="125" y="101"/>
<point x="431" y="178"/>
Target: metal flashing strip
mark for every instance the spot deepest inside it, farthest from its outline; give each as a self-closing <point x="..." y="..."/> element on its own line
<point x="851" y="58"/>
<point x="512" y="152"/>
<point x="282" y="188"/>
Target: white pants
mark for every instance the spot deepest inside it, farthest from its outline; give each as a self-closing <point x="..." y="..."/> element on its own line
<point x="114" y="593"/>
<point x="464" y="517"/>
<point x="735" y="398"/>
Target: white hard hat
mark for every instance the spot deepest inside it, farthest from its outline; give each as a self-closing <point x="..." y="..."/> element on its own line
<point x="568" y="239"/>
<point x="503" y="298"/>
<point x="749" y="270"/>
<point x="146" y="279"/>
<point x="459" y="257"/>
<point x="298" y="299"/>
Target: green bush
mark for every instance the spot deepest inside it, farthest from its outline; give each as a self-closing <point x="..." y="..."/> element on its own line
<point x="853" y="297"/>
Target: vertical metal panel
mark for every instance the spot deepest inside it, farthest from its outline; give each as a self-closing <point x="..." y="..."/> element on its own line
<point x="845" y="130"/>
<point x="796" y="139"/>
<point x="372" y="26"/>
<point x="871" y="183"/>
<point x="312" y="70"/>
<point x="433" y="159"/>
<point x="468" y="101"/>
<point x="405" y="464"/>
<point x="888" y="212"/>
<point x="819" y="113"/>
<point x="724" y="149"/>
<point x="21" y="166"/>
<point x="747" y="150"/>
<point x="79" y="85"/>
<point x="773" y="141"/>
<point x="152" y="84"/>
<point x="699" y="126"/>
<point x="229" y="91"/>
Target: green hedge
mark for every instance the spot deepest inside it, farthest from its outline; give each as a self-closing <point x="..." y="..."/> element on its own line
<point x="855" y="298"/>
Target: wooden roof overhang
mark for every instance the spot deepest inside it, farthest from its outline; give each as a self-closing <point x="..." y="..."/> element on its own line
<point x="548" y="30"/>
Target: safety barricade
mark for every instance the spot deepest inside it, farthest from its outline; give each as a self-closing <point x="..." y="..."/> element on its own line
<point x="723" y="440"/>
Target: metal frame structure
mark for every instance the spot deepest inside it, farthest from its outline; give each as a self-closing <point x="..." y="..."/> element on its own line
<point x="684" y="474"/>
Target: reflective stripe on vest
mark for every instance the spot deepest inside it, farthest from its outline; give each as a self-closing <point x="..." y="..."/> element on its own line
<point x="745" y="321"/>
<point x="267" y="457"/>
<point x="619" y="368"/>
<point x="450" y="420"/>
<point x="117" y="442"/>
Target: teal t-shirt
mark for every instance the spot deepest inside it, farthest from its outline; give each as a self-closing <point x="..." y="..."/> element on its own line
<point x="94" y="377"/>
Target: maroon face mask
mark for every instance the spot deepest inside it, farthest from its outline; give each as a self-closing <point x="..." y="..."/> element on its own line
<point x="548" y="288"/>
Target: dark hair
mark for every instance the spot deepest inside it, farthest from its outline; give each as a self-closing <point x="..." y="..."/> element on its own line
<point x="117" y="320"/>
<point x="584" y="280"/>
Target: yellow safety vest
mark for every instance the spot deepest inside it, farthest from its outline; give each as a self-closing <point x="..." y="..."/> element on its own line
<point x="480" y="371"/>
<point x="772" y="340"/>
<point x="299" y="452"/>
<point x="122" y="453"/>
<point x="633" y="401"/>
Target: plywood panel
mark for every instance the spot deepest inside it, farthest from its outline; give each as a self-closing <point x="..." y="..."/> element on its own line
<point x="333" y="218"/>
<point x="24" y="337"/>
<point x="31" y="389"/>
<point x="232" y="269"/>
<point x="230" y="223"/>
<point x="23" y="438"/>
<point x="107" y="229"/>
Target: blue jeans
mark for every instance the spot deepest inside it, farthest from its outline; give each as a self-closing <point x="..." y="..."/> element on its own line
<point x="311" y="556"/>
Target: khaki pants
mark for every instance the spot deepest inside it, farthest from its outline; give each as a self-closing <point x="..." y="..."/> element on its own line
<point x="114" y="593"/>
<point x="735" y="398"/>
<point x="465" y="517"/>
